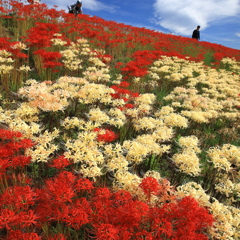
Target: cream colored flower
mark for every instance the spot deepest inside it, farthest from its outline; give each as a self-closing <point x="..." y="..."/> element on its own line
<point x="164" y="111"/>
<point x="142" y="146"/>
<point x="147" y="123"/>
<point x="90" y="93"/>
<point x="224" y="157"/>
<point x="194" y="190"/>
<point x="176" y="120"/>
<point x="187" y="162"/>
<point x="58" y="42"/>
<point x="127" y="181"/>
<point x="175" y="77"/>
<point x="117" y="163"/>
<point x="90" y="171"/>
<point x="189" y="143"/>
<point x="5" y="54"/>
<point x="27" y="113"/>
<point x="147" y="98"/>
<point x="225" y="186"/>
<point x="98" y="116"/>
<point x="5" y="69"/>
<point x="163" y="133"/>
<point x="25" y="68"/>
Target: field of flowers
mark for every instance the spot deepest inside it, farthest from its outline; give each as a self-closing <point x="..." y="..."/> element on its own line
<point x="113" y="132"/>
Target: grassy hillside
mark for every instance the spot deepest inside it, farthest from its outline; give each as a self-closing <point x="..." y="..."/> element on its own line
<point x="109" y="131"/>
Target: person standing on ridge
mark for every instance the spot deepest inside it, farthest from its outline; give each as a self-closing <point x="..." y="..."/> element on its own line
<point x="196" y="33"/>
<point x="75" y="8"/>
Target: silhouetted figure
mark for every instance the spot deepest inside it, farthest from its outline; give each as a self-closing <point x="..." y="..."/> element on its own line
<point x="75" y="8"/>
<point x="196" y="33"/>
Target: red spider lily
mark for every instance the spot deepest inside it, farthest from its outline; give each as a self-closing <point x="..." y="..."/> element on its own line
<point x="150" y="186"/>
<point x="18" y="197"/>
<point x="60" y="189"/>
<point x="124" y="84"/>
<point x="83" y="184"/>
<point x="135" y="69"/>
<point x="120" y="93"/>
<point x="2" y="9"/>
<point x="52" y="64"/>
<point x="17" y="52"/>
<point x="60" y="162"/>
<point x="27" y="218"/>
<point x="8" y="218"/>
<point x="49" y="58"/>
<point x="107" y="136"/>
<point x="7" y="134"/>
<point x="41" y="35"/>
<point x="76" y="217"/>
<point x="119" y="65"/>
<point x="112" y="215"/>
<point x="142" y="59"/>
<point x="103" y="193"/>
<point x="125" y="99"/>
<point x="122" y="210"/>
<point x="107" y="231"/>
<point x="17" y="161"/>
<point x="58" y="201"/>
<point x="218" y="56"/>
<point x="129" y="105"/>
<point x="182" y="220"/>
<point x="11" y="149"/>
<point x="134" y="95"/>
<point x="17" y="235"/>
<point x="8" y="45"/>
<point x="20" y="144"/>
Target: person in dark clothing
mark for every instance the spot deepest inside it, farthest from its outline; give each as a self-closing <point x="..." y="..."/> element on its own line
<point x="75" y="8"/>
<point x="196" y="33"/>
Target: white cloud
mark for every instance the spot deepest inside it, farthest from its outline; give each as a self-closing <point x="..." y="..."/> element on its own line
<point x="92" y="5"/>
<point x="182" y="16"/>
<point x="238" y="34"/>
<point x="96" y="6"/>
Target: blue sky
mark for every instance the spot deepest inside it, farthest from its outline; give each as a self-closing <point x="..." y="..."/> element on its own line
<point x="219" y="19"/>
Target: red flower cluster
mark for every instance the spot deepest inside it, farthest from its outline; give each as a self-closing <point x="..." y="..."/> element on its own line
<point x="6" y="44"/>
<point x="122" y="93"/>
<point x="75" y="203"/>
<point x="218" y="56"/>
<point x="60" y="162"/>
<point x="150" y="186"/>
<point x="12" y="148"/>
<point x="49" y="58"/>
<point x="107" y="136"/>
<point x="41" y="35"/>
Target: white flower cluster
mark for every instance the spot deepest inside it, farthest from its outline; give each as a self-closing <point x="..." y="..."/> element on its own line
<point x="208" y="93"/>
<point x="187" y="160"/>
<point x="224" y="157"/>
<point x="5" y="62"/>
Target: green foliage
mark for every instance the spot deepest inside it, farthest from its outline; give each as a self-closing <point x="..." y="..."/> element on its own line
<point x="208" y="58"/>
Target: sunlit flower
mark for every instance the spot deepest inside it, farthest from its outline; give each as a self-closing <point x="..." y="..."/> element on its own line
<point x="98" y="116"/>
<point x="189" y="143"/>
<point x="187" y="162"/>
